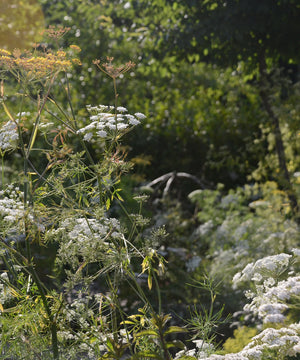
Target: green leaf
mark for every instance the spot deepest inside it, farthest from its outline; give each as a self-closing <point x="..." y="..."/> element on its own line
<point x="147" y="354"/>
<point x="176" y="343"/>
<point x="8" y="112"/>
<point x="127" y="322"/>
<point x="107" y="204"/>
<point x="119" y="197"/>
<point x="33" y="136"/>
<point x="150" y="281"/>
<point x="175" y="329"/>
<point x="147" y="333"/>
<point x="110" y="345"/>
<point x="93" y="339"/>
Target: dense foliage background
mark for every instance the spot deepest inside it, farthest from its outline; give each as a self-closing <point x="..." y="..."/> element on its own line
<point x="197" y="78"/>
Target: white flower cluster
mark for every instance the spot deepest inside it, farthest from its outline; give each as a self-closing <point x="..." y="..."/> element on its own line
<point x="87" y="238"/>
<point x="12" y="211"/>
<point x="193" y="263"/>
<point x="262" y="268"/>
<point x="6" y="293"/>
<point x="107" y="120"/>
<point x="228" y="200"/>
<point x="11" y="205"/>
<point x="202" y="350"/>
<point x="80" y="313"/>
<point x="284" y="341"/>
<point x="82" y="229"/>
<point x="204" y="229"/>
<point x="251" y="237"/>
<point x="23" y="114"/>
<point x="8" y="135"/>
<point x="268" y="300"/>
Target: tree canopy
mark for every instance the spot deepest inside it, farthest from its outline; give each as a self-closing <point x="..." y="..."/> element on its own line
<point x="226" y="32"/>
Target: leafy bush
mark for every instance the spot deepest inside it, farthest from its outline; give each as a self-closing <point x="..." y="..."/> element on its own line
<point x="242" y="337"/>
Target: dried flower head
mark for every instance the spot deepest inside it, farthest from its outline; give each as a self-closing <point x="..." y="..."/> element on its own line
<point x="56" y="32"/>
<point x="112" y="70"/>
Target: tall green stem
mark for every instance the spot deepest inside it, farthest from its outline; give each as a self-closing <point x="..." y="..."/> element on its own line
<point x="30" y="270"/>
<point x="50" y="316"/>
<point x="2" y="171"/>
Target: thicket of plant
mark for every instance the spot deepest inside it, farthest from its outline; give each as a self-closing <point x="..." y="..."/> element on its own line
<point x="163" y="224"/>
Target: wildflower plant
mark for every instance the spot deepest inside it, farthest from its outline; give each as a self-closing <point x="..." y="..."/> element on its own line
<point x="276" y="287"/>
<point x="62" y="201"/>
<point x="275" y="300"/>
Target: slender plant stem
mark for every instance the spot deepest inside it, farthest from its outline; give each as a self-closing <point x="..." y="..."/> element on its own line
<point x="30" y="270"/>
<point x="2" y="171"/>
<point x="50" y="316"/>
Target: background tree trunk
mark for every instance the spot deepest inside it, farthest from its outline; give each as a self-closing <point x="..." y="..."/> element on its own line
<point x="284" y="177"/>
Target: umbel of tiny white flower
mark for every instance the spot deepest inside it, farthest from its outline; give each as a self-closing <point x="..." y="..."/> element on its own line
<point x="262" y="268"/>
<point x="108" y="120"/>
<point x="270" y="299"/>
<point x="8" y="135"/>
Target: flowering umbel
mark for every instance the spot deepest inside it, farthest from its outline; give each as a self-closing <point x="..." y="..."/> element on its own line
<point x="35" y="65"/>
<point x="8" y="136"/>
<point x="41" y="62"/>
<point x="112" y="70"/>
<point x="108" y="120"/>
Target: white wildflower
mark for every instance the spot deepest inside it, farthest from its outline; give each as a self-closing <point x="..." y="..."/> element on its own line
<point x="133" y="121"/>
<point x="11" y="206"/>
<point x="270" y="264"/>
<point x="205" y="228"/>
<point x="269" y="282"/>
<point x="140" y="116"/>
<point x="285" y="289"/>
<point x="102" y="133"/>
<point x="273" y="263"/>
<point x="121" y="109"/>
<point x="285" y="340"/>
<point x="272" y="312"/>
<point x="296" y="252"/>
<point x="274" y="318"/>
<point x="45" y="126"/>
<point x="88" y="136"/>
<point x="23" y="113"/>
<point x="185" y="353"/>
<point x="254" y="353"/>
<point x="8" y="135"/>
<point x="193" y="263"/>
<point x="256" y="277"/>
<point x="296" y="348"/>
<point x="82" y="237"/>
<point x="111" y="126"/>
<point x="229" y="199"/>
<point x="103" y="119"/>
